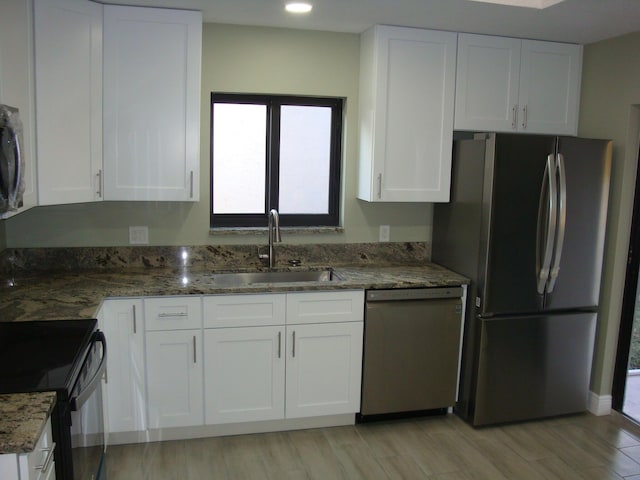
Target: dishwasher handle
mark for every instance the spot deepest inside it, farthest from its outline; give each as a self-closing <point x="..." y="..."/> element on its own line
<point x="400" y="294"/>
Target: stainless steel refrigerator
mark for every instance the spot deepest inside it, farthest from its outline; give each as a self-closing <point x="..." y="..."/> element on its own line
<point x="526" y="224"/>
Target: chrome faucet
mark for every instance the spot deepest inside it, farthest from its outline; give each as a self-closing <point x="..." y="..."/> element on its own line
<point x="274" y="235"/>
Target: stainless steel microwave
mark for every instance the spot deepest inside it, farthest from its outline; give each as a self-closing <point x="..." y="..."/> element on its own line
<point x="11" y="160"/>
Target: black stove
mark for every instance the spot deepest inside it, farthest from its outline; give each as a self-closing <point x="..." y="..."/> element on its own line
<point x="42" y="356"/>
<point x="68" y="357"/>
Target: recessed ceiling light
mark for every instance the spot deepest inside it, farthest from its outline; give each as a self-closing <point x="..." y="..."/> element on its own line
<point x="540" y="4"/>
<point x="298" y="7"/>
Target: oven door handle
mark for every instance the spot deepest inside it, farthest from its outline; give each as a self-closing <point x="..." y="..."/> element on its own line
<point x="83" y="396"/>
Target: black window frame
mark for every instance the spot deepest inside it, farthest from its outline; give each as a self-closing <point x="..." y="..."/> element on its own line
<point x="272" y="163"/>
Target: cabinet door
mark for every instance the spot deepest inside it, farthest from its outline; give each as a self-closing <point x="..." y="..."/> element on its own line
<point x="151" y="103"/>
<point x="324" y="365"/>
<point x="244" y="374"/>
<point x="122" y="323"/>
<point x="174" y="378"/>
<point x="406" y="117"/>
<point x="17" y="83"/>
<point x="68" y="50"/>
<point x="487" y="81"/>
<point x="550" y="87"/>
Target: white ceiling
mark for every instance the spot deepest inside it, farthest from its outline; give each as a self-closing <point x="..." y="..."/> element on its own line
<point x="579" y="21"/>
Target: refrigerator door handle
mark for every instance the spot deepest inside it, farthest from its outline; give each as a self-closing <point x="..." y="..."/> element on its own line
<point x="547" y="215"/>
<point x="562" y="218"/>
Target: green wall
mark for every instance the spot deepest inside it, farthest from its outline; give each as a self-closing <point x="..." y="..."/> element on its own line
<point x="239" y="59"/>
<point x="610" y="108"/>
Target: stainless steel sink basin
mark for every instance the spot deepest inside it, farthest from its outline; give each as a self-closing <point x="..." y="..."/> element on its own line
<point x="250" y="278"/>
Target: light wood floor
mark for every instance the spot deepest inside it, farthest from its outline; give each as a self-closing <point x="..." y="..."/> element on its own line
<point x="582" y="447"/>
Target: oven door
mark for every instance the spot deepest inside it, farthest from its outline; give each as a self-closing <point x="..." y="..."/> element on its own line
<point x="88" y="440"/>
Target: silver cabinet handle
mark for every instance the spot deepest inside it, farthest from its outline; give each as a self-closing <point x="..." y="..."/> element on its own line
<point x="47" y="461"/>
<point x="524" y="117"/>
<point x="379" y="185"/>
<point x="514" y="117"/>
<point x="169" y="315"/>
<point x="279" y="344"/>
<point x="195" y="359"/>
<point x="135" y="327"/>
<point x="99" y="191"/>
<point x="293" y="349"/>
<point x="191" y="184"/>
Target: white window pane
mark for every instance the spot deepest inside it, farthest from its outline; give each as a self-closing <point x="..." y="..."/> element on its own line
<point x="305" y="146"/>
<point x="239" y="149"/>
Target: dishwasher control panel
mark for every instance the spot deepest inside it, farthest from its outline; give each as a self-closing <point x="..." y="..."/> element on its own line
<point x="413" y="294"/>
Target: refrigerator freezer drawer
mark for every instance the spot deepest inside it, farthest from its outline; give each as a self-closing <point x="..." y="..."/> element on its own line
<point x="533" y="366"/>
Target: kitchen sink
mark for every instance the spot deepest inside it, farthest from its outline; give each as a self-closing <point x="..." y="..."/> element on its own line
<point x="250" y="278"/>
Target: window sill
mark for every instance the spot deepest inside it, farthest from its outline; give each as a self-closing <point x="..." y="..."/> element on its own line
<point x="263" y="230"/>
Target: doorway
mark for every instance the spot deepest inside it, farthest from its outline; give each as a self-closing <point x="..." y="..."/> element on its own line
<point x="626" y="379"/>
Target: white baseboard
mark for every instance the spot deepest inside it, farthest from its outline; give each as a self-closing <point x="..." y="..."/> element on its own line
<point x="183" y="433"/>
<point x="599" y="404"/>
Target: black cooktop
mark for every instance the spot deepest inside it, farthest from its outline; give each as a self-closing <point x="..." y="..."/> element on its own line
<point x="42" y="355"/>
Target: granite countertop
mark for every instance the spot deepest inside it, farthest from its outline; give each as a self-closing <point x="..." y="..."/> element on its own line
<point x="23" y="417"/>
<point x="79" y="293"/>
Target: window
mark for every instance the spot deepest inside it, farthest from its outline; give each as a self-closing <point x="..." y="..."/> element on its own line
<point x="279" y="152"/>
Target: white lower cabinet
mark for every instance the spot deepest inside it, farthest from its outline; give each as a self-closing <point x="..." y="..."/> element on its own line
<point x="244" y="374"/>
<point x="324" y="365"/>
<point x="282" y="371"/>
<point x="174" y="376"/>
<point x="231" y="359"/>
<point x="122" y="323"/>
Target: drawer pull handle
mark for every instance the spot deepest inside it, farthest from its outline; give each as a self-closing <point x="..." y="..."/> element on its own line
<point x="135" y="326"/>
<point x="47" y="461"/>
<point x="279" y="344"/>
<point x="293" y="350"/>
<point x="170" y="315"/>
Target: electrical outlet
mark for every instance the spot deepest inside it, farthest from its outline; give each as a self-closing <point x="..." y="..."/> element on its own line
<point x="385" y="232"/>
<point x="139" y="235"/>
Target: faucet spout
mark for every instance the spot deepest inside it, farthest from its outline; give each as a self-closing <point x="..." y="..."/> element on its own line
<point x="274" y="235"/>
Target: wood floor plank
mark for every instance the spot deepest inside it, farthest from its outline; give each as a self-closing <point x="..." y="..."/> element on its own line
<point x="359" y="463"/>
<point x="205" y="458"/>
<point x="581" y="447"/>
<point x="402" y="468"/>
<point x="317" y="455"/>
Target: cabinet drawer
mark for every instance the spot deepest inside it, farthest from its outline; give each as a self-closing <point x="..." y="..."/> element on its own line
<point x="244" y="310"/>
<point x="325" y="307"/>
<point x="172" y="313"/>
<point x="40" y="461"/>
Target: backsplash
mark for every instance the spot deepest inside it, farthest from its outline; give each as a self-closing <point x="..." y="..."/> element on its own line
<point x="219" y="257"/>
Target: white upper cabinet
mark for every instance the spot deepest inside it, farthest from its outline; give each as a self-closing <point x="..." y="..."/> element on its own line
<point x="407" y="83"/>
<point x="68" y="58"/>
<point x="487" y="82"/>
<point x="507" y="84"/>
<point x="152" y="61"/>
<point x="550" y="75"/>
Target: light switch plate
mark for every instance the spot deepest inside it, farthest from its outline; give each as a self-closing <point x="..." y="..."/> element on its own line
<point x="139" y="235"/>
<point x="385" y="232"/>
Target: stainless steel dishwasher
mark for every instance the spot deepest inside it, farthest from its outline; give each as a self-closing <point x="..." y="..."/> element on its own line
<point x="411" y="350"/>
